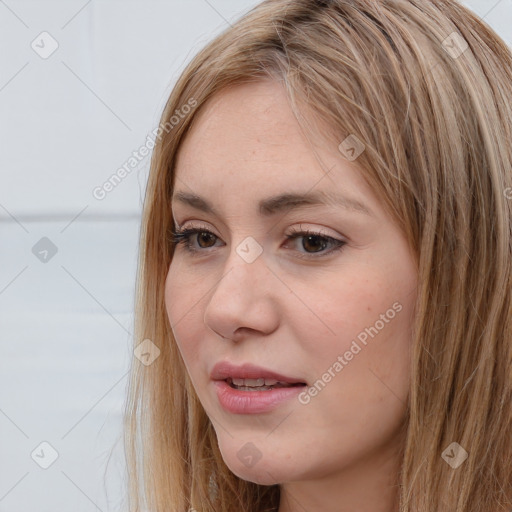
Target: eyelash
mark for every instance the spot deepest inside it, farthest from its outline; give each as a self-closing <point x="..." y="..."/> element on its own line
<point x="183" y="237"/>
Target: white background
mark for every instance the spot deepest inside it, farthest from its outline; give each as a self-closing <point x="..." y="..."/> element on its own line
<point x="67" y="123"/>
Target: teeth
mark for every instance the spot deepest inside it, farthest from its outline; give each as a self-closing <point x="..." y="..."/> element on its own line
<point x="250" y="388"/>
<point x="256" y="382"/>
<point x="248" y="382"/>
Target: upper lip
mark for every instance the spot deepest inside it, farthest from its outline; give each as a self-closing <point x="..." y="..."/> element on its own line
<point x="224" y="369"/>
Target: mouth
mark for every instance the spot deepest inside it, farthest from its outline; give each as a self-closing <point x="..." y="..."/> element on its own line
<point x="261" y="384"/>
<point x="249" y="377"/>
<point x="250" y="389"/>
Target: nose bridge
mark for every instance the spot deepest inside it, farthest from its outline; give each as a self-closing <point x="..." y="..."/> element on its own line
<point x="246" y="266"/>
<point x="240" y="298"/>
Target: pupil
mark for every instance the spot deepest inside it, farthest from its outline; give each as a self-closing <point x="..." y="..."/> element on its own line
<point x="203" y="234"/>
<point x="308" y="238"/>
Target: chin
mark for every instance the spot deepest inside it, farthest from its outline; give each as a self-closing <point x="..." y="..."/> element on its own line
<point x="257" y="475"/>
<point x="249" y="463"/>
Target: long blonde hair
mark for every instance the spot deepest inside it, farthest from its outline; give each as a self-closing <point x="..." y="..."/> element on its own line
<point x="427" y="86"/>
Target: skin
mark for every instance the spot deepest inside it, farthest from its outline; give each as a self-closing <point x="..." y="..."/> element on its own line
<point x="341" y="450"/>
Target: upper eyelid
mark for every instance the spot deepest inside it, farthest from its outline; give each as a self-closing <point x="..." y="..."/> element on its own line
<point x="338" y="244"/>
<point x="315" y="230"/>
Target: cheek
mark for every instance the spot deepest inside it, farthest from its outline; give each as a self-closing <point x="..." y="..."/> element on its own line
<point x="361" y="398"/>
<point x="183" y="292"/>
<point x="183" y="312"/>
<point x="173" y="291"/>
<point x="366" y="320"/>
<point x="343" y="308"/>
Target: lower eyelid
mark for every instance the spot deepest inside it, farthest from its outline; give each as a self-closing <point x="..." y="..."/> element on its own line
<point x="336" y="243"/>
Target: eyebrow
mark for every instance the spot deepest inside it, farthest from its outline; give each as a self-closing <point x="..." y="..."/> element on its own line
<point x="281" y="203"/>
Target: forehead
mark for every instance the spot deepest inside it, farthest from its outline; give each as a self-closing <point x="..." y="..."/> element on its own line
<point x="247" y="120"/>
<point x="246" y="144"/>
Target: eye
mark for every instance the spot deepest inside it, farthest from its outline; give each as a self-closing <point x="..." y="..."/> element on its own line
<point x="312" y="240"/>
<point x="316" y="241"/>
<point x="183" y="237"/>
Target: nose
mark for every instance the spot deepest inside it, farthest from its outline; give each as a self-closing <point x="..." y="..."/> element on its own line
<point x="244" y="301"/>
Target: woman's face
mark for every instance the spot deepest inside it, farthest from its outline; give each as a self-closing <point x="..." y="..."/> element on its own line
<point x="332" y="311"/>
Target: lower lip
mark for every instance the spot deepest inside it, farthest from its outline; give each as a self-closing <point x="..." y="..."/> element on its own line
<point x="252" y="402"/>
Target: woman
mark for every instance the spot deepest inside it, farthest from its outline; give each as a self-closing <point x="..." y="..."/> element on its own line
<point x="326" y="268"/>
